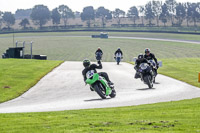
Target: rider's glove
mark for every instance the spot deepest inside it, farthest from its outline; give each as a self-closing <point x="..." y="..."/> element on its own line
<point x="135" y="68"/>
<point x="99" y="62"/>
<point x="157" y="65"/>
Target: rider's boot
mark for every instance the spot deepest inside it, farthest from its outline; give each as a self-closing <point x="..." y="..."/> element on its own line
<point x="152" y="75"/>
<point x="137" y="75"/>
<point x="111" y="84"/>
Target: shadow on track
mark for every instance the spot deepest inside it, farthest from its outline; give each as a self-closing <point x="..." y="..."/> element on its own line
<point x="144" y="89"/>
<point x="90" y="100"/>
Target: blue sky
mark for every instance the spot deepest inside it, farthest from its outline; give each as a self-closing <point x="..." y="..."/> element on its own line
<point x="75" y="5"/>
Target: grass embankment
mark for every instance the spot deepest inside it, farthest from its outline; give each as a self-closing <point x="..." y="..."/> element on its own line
<point x="180" y="116"/>
<point x="17" y="76"/>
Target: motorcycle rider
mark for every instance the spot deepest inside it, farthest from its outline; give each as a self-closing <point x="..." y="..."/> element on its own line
<point x="150" y="56"/>
<point x="118" y="51"/>
<point x="140" y="60"/>
<point x="99" y="53"/>
<point x="88" y="66"/>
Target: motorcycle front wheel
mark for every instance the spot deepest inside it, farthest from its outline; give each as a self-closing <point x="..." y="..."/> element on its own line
<point x="100" y="90"/>
<point x="147" y="79"/>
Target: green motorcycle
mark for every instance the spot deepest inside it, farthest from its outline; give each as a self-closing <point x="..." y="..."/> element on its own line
<point x="100" y="85"/>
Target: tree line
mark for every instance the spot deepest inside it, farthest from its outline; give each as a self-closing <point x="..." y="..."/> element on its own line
<point x="169" y="11"/>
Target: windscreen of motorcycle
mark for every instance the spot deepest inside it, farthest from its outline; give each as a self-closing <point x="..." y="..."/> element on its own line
<point x="118" y="55"/>
<point x="143" y="66"/>
<point x="90" y="74"/>
<point x="98" y="54"/>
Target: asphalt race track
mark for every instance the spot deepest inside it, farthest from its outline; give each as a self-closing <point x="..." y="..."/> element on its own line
<point x="64" y="89"/>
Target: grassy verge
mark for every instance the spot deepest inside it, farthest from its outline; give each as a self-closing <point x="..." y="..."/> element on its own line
<point x="17" y="75"/>
<point x="89" y="33"/>
<point x="68" y="48"/>
<point x="179" y="117"/>
<point x="183" y="69"/>
<point x="181" y="29"/>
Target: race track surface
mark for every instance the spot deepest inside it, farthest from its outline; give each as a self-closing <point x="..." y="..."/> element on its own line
<point x="64" y="89"/>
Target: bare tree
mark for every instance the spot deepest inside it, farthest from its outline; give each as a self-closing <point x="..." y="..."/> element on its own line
<point x="118" y="14"/>
<point x="133" y="14"/>
<point x="9" y="19"/>
<point x="149" y="14"/>
<point x="66" y="13"/>
<point x="164" y="14"/>
<point x="24" y="22"/>
<point x="157" y="9"/>
<point x="171" y="5"/>
<point x="142" y="12"/>
<point x="103" y="14"/>
<point x="180" y="13"/>
<point x="1" y="19"/>
<point x="88" y="15"/>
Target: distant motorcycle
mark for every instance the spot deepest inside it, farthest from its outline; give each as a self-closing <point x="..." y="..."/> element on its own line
<point x="98" y="55"/>
<point x="100" y="85"/>
<point x="145" y="71"/>
<point x="118" y="58"/>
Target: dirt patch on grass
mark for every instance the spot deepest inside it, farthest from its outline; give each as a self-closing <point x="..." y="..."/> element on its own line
<point x="6" y="87"/>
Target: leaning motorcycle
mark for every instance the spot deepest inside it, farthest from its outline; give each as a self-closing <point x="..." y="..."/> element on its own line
<point x="146" y="74"/>
<point x="100" y="85"/>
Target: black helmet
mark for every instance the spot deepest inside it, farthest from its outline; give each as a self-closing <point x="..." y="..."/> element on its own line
<point x="140" y="56"/>
<point x="147" y="51"/>
<point x="86" y="62"/>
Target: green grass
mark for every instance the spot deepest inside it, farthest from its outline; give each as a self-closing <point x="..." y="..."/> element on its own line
<point x="184" y="69"/>
<point x="59" y="47"/>
<point x="173" y="117"/>
<point x="181" y="116"/>
<point x="126" y="34"/>
<point x="17" y="76"/>
<point x="157" y="35"/>
<point x="180" y="61"/>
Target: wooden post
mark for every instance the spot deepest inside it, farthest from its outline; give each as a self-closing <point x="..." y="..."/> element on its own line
<point x="199" y="77"/>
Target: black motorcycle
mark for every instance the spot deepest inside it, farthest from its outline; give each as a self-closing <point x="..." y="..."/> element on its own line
<point x="98" y="55"/>
<point x="146" y="74"/>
